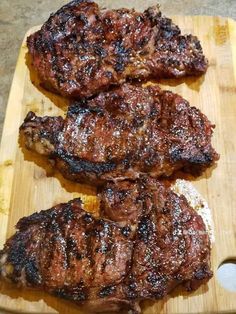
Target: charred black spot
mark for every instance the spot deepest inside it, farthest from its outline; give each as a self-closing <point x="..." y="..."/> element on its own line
<point x="17" y="255"/>
<point x="109" y="193"/>
<point x="29" y="117"/>
<point x="126" y="231"/>
<point x="78" y="293"/>
<point x="68" y="213"/>
<point x="156" y="280"/>
<point x="176" y="154"/>
<point x="143" y="41"/>
<point x="167" y="29"/>
<point x="45" y="134"/>
<point x="119" y="66"/>
<point x="109" y="74"/>
<point x="152" y="278"/>
<point x="72" y="249"/>
<point x="64" y="16"/>
<point x="87" y="218"/>
<point x="79" y="256"/>
<point x="203" y="158"/>
<point x="122" y="195"/>
<point x="102" y="249"/>
<point x="108" y="21"/>
<point x="106" y="291"/>
<point x="122" y="56"/>
<point x="193" y="157"/>
<point x="32" y="272"/>
<point x="54" y="227"/>
<point x="100" y="51"/>
<point x="181" y="247"/>
<point x="61" y="79"/>
<point x="182" y="43"/>
<point x="178" y="277"/>
<point x="89" y="69"/>
<point x="138" y="122"/>
<point x="140" y="18"/>
<point x="165" y="209"/>
<point x="126" y="163"/>
<point x="80" y="108"/>
<point x="131" y="288"/>
<point x="198" y="45"/>
<point x="153" y="157"/>
<point x="71" y="244"/>
<point x="202" y="273"/>
<point x="145" y="229"/>
<point x="81" y="17"/>
<point x="173" y="62"/>
<point x="79" y="165"/>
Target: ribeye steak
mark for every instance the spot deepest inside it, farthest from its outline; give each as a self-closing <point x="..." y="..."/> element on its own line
<point x="82" y="50"/>
<point x="108" y="265"/>
<point x="123" y="133"/>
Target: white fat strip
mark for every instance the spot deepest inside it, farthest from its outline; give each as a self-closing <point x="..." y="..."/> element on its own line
<point x="197" y="202"/>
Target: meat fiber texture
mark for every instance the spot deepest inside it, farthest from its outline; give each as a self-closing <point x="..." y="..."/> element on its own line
<point x="82" y="50"/>
<point x="106" y="265"/>
<point x="122" y="134"/>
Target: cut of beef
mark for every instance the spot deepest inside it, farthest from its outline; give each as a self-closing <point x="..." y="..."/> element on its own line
<point x="105" y="265"/>
<point x="82" y="49"/>
<point x="67" y="252"/>
<point x="123" y="133"/>
<point x="171" y="242"/>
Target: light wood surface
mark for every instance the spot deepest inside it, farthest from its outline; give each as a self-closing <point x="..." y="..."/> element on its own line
<point x="29" y="184"/>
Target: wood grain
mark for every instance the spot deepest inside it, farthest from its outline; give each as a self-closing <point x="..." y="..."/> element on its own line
<point x="29" y="184"/>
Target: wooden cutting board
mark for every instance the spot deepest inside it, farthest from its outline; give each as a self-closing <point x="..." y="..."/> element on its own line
<point x="28" y="184"/>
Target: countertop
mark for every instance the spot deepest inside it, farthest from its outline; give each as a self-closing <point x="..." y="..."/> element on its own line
<point x="17" y="16"/>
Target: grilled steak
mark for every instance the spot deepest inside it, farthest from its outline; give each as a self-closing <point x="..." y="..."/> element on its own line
<point x="171" y="242"/>
<point x="68" y="253"/>
<point x="82" y="49"/>
<point x="123" y="133"/>
<point x="98" y="263"/>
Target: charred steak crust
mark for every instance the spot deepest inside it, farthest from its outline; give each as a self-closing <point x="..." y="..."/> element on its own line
<point x="102" y="264"/>
<point x="123" y="133"/>
<point x="82" y="50"/>
<point x="67" y="252"/>
<point x="42" y="133"/>
<point x="171" y="242"/>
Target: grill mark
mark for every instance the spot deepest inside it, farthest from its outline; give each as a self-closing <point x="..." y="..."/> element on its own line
<point x="77" y="165"/>
<point x="109" y="245"/>
<point x="106" y="291"/>
<point x="32" y="272"/>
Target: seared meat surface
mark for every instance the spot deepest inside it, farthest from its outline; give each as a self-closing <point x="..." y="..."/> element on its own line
<point x="82" y="50"/>
<point x="123" y="133"/>
<point x="171" y="242"/>
<point x="67" y="252"/>
<point x="104" y="265"/>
